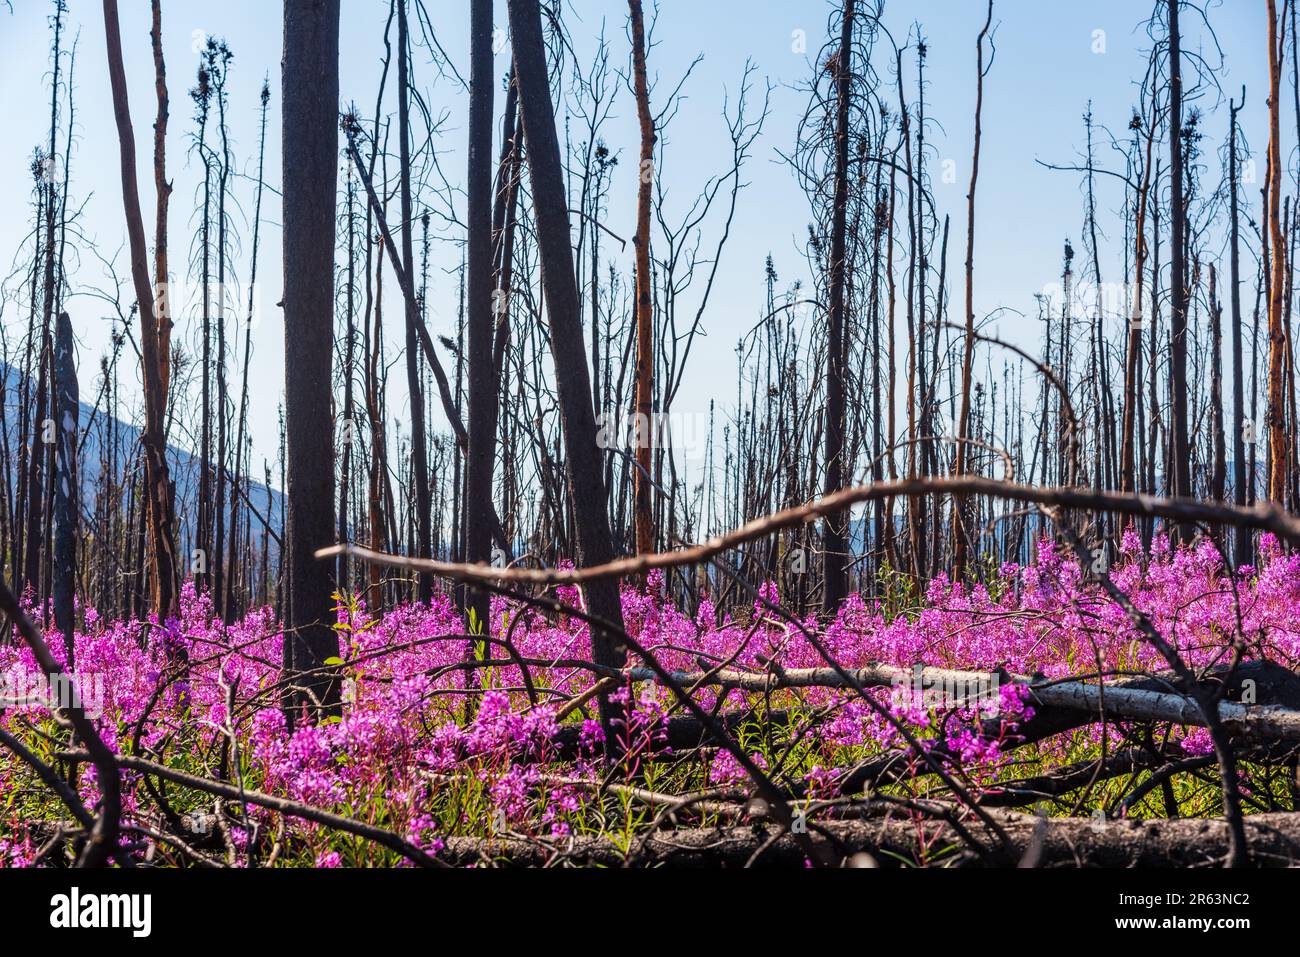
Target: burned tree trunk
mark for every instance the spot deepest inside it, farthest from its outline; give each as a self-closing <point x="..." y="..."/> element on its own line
<point x="158" y="487"/>
<point x="1218" y="468"/>
<point x="237" y="475"/>
<point x="310" y="84"/>
<point x="40" y="461"/>
<point x="343" y="568"/>
<point x="642" y="508"/>
<point x="164" y="191"/>
<point x="419" y="450"/>
<point x="481" y="375"/>
<point x="1180" y="468"/>
<point x="1133" y="351"/>
<point x="585" y="477"/>
<point x="1277" y="281"/>
<point x="1031" y="840"/>
<point x="1241" y="550"/>
<point x="834" y="536"/>
<point x="968" y="352"/>
<point x="67" y="489"/>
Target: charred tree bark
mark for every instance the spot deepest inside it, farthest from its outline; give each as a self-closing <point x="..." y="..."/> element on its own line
<point x="834" y="533"/>
<point x="968" y="352"/>
<point x="158" y="487"/>
<point x="1277" y="359"/>
<point x="220" y="66"/>
<point x="1241" y="552"/>
<point x="238" y="474"/>
<point x="202" y="544"/>
<point x="480" y="373"/>
<point x="310" y="85"/>
<point x="419" y="450"/>
<point x="1218" y="468"/>
<point x="67" y="489"/>
<point x="583" y="458"/>
<point x="343" y="569"/>
<point x="41" y="462"/>
<point x="164" y="191"/>
<point x="643" y="509"/>
<point x="1180" y="469"/>
<point x="1032" y="841"/>
<point x="1136" y="323"/>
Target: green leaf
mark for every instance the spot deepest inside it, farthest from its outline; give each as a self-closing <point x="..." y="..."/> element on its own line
<point x="333" y="660"/>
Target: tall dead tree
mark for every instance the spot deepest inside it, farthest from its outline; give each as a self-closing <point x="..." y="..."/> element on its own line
<point x="343" y="567"/>
<point x="40" y="462"/>
<point x="67" y="489"/>
<point x="1218" y="444"/>
<point x="834" y="533"/>
<point x="202" y="542"/>
<point x="481" y="389"/>
<point x="219" y="58"/>
<point x="1136" y="323"/>
<point x="309" y="81"/>
<point x="157" y="484"/>
<point x="1241" y="551"/>
<point x="419" y="450"/>
<point x="572" y="384"/>
<point x="163" y="191"/>
<point x="238" y="473"/>
<point x="968" y="351"/>
<point x="1275" y="410"/>
<point x="1180" y="465"/>
<point x="643" y="509"/>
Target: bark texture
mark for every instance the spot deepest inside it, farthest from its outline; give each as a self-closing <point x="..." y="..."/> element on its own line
<point x="310" y="85"/>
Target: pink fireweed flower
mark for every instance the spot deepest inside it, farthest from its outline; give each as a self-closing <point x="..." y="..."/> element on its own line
<point x="725" y="769"/>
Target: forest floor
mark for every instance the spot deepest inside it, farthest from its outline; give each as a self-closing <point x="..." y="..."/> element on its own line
<point x="477" y="751"/>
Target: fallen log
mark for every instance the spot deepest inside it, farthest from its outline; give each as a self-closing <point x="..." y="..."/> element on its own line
<point x="1050" y="842"/>
<point x="1143" y="699"/>
<point x="1062" y="781"/>
<point x="1271" y="726"/>
<point x="682" y="733"/>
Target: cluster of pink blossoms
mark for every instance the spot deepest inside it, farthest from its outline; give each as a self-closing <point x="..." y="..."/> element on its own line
<point x="406" y="733"/>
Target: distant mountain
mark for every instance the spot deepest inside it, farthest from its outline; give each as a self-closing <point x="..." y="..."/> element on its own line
<point x="182" y="464"/>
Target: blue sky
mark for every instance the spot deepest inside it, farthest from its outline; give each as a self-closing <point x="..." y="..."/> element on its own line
<point x="1046" y="71"/>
